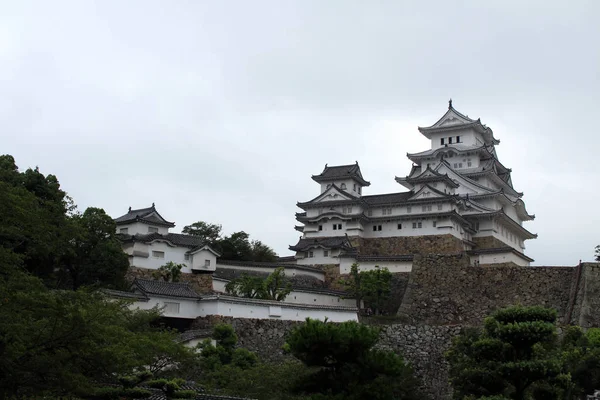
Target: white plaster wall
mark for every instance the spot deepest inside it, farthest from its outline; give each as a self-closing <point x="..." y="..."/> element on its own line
<point x="390" y="229"/>
<point x="198" y="260"/>
<point x="319" y="257"/>
<point x="501" y="258"/>
<point x="141" y="228"/>
<point x="289" y="270"/>
<point x="467" y="137"/>
<point x="231" y="307"/>
<point x="349" y="186"/>
<point x="300" y="296"/>
<point x="392" y="266"/>
<point x="175" y="254"/>
<point x="188" y="308"/>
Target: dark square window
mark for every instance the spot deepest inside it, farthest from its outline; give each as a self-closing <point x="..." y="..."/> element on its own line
<point x="442" y="141"/>
<point x="374" y="228"/>
<point x="449" y="140"/>
<point x="335" y="227"/>
<point x="399" y="226"/>
<point x="339" y="226"/>
<point x="320" y="227"/>
<point x="458" y="139"/>
<point x="378" y="227"/>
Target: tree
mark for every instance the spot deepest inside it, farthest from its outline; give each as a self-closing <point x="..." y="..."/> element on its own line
<point x="169" y="272"/>
<point x="597" y="253"/>
<point x="93" y="254"/>
<point x="224" y="352"/>
<point x="513" y="355"/>
<point x="236" y="246"/>
<point x="273" y="287"/>
<point x="210" y="233"/>
<point x="62" y="342"/>
<point x="262" y="252"/>
<point x="348" y="365"/>
<point x="372" y="287"/>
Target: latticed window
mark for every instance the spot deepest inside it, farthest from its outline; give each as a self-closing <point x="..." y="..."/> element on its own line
<point x="171" y="307"/>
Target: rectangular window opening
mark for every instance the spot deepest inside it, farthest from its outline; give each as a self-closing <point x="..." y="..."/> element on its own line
<point x="442" y="141"/>
<point x="320" y="227"/>
<point x="399" y="226"/>
<point x="158" y="254"/>
<point x="207" y="263"/>
<point x="152" y="229"/>
<point x="449" y="140"/>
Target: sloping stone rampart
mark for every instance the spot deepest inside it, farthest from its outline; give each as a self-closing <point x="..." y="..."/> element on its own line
<point x="488" y="242"/>
<point x="447" y="290"/>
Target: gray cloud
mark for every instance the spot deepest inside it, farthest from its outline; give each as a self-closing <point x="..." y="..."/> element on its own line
<point x="221" y="111"/>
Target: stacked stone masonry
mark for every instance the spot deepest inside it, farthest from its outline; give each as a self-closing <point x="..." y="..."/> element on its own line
<point x="439" y="244"/>
<point x="446" y="290"/>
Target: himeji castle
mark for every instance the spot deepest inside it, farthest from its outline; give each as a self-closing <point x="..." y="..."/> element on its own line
<point x="458" y="197"/>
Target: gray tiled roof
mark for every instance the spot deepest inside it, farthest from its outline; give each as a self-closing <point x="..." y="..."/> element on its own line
<point x="143" y="215"/>
<point x="341" y="172"/>
<point x="124" y="295"/>
<point x="178" y="239"/>
<point x="388" y="198"/>
<point x="275" y="264"/>
<point x="339" y="242"/>
<point x="162" y="288"/>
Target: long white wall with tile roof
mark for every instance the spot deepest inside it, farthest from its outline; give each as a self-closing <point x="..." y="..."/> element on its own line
<point x="301" y="296"/>
<point x="174" y="307"/>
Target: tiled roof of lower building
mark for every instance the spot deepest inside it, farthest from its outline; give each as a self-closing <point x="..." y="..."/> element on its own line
<point x="168" y="289"/>
<point x="148" y="215"/>
<point x="338" y="242"/>
<point x="176" y="239"/>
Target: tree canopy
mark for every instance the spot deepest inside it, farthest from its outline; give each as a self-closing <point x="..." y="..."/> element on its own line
<point x="39" y="225"/>
<point x="348" y="365"/>
<point x="236" y="246"/>
<point x="371" y="287"/>
<point x="517" y="356"/>
<point x="274" y="287"/>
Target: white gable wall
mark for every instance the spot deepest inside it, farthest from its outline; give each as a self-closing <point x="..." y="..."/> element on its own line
<point x="141" y="228"/>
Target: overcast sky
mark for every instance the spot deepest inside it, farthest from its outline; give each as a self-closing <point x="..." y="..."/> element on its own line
<point x="221" y="111"/>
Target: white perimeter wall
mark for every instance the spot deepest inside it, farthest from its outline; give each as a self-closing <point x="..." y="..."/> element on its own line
<point x="188" y="308"/>
<point x="248" y="308"/>
<point x="500" y="258"/>
<point x="392" y="266"/>
<point x="289" y="270"/>
<point x="300" y="296"/>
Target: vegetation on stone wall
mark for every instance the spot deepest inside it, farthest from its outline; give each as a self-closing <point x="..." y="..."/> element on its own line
<point x="373" y="288"/>
<point x="236" y="246"/>
<point x="168" y="272"/>
<point x="517" y="354"/>
<point x="346" y="363"/>
<point x="273" y="287"/>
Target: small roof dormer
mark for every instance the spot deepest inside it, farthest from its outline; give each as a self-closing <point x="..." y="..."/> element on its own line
<point x="341" y="172"/>
<point x="453" y="120"/>
<point x="147" y="215"/>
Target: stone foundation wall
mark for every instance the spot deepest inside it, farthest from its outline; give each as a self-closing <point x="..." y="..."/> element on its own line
<point x="423" y="347"/>
<point x="446" y="290"/>
<point x="202" y="283"/>
<point x="488" y="242"/>
<point x="437" y="244"/>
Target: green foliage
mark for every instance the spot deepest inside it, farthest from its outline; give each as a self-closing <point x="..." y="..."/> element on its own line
<point x="73" y="339"/>
<point x="236" y="246"/>
<point x="224" y="352"/>
<point x="172" y="388"/>
<point x="372" y="287"/>
<point x="263" y="381"/>
<point x="348" y="366"/>
<point x="210" y="233"/>
<point x="273" y="287"/>
<point x="597" y="253"/>
<point x="516" y="355"/>
<point x="169" y="272"/>
<point x="39" y="226"/>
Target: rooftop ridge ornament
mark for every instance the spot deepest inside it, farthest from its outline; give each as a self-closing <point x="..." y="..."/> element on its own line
<point x="450" y="104"/>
